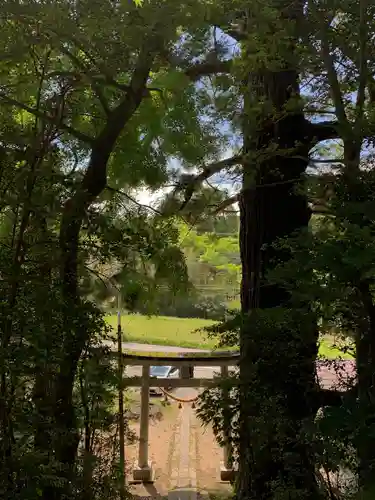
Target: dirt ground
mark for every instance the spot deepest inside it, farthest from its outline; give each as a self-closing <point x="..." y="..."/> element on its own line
<point x="209" y="457"/>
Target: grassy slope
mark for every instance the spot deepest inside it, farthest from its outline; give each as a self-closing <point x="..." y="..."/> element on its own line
<point x="164" y="330"/>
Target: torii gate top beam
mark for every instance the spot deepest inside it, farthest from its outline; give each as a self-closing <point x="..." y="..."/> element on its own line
<point x="216" y="359"/>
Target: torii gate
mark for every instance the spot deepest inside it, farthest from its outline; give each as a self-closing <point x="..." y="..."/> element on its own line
<point x="143" y="471"/>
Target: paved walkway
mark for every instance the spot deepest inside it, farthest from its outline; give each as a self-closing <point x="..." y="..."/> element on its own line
<point x="184" y="474"/>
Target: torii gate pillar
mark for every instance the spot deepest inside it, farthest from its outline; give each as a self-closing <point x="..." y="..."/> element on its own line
<point x="144" y="472"/>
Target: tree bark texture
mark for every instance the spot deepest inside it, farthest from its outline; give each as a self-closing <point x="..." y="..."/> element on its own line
<point x="277" y="371"/>
<point x="365" y="360"/>
<point x="355" y="189"/>
<point x="357" y="193"/>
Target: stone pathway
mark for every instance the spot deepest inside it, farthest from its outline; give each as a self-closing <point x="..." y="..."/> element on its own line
<point x="183" y="474"/>
<point x="195" y="463"/>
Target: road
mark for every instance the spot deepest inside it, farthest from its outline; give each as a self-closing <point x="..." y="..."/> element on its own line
<point x="133" y="346"/>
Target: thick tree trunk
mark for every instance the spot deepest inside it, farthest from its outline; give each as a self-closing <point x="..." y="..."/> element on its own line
<point x="365" y="337"/>
<point x="365" y="358"/>
<point x="277" y="371"/>
<point x="357" y="194"/>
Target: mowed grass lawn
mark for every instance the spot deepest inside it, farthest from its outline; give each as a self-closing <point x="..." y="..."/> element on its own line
<point x="163" y="330"/>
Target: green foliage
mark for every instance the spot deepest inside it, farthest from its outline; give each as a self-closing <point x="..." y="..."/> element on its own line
<point x="96" y="392"/>
<point x="61" y="77"/>
<point x="181" y="273"/>
<point x="127" y="250"/>
<point x="213" y="262"/>
<point x="329" y="263"/>
<point x="64" y="68"/>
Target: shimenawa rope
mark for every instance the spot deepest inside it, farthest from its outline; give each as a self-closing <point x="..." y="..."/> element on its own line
<point x="179" y="400"/>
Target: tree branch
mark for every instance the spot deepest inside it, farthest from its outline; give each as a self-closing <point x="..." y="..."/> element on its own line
<point x="333" y="79"/>
<point x="208" y="171"/>
<point x="363" y="67"/>
<point x="211" y="65"/>
<point x="227" y="203"/>
<point x="234" y="32"/>
<point x="94" y="85"/>
<point x="318" y="204"/>
<point x="208" y="68"/>
<point x="322" y="131"/>
<point x="50" y="119"/>
<point x="214" y="168"/>
<point x="133" y="200"/>
<point x="321" y="210"/>
<point x="95" y="178"/>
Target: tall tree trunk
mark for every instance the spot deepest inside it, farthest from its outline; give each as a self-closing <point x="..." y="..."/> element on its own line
<point x="357" y="194"/>
<point x="365" y="359"/>
<point x="277" y="368"/>
<point x="66" y="438"/>
<point x="355" y="188"/>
